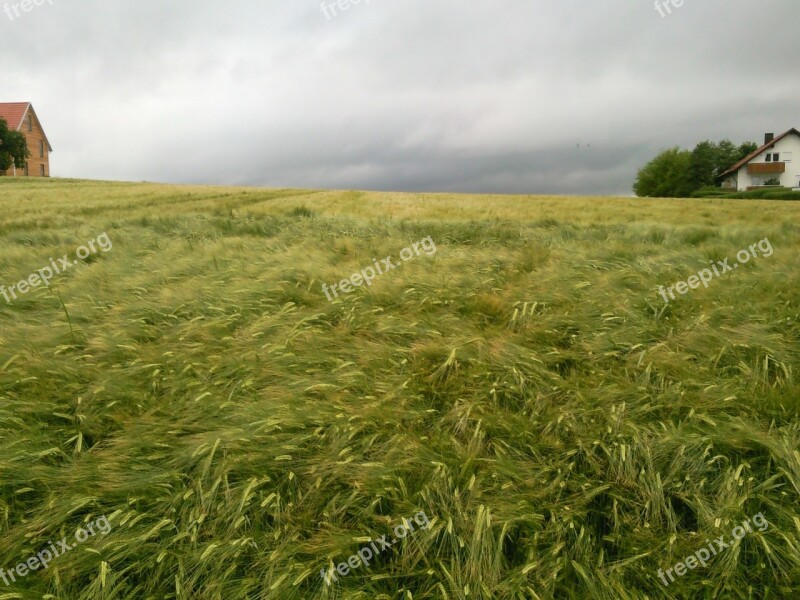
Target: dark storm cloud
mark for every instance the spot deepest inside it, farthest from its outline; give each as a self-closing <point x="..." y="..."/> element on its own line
<point x="511" y="96"/>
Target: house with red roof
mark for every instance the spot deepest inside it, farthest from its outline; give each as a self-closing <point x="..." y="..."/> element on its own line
<point x="20" y="116"/>
<point x="775" y="163"/>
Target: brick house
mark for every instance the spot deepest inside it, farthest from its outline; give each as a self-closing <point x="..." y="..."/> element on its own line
<point x="20" y="116"/>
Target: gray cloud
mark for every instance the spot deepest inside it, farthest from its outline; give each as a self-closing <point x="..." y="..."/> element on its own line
<point x="521" y="96"/>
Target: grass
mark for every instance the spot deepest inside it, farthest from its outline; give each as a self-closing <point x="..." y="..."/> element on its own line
<point x="566" y="433"/>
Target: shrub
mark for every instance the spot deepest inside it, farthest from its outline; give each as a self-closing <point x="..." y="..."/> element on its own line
<point x="787" y="195"/>
<point x="711" y="192"/>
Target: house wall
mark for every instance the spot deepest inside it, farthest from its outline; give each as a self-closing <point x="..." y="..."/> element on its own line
<point x="789" y="149"/>
<point x="35" y="161"/>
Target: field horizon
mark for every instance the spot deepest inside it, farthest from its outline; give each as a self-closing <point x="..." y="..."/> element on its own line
<point x="515" y="389"/>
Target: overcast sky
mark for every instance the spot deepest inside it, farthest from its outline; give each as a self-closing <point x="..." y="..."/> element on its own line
<point x="512" y="96"/>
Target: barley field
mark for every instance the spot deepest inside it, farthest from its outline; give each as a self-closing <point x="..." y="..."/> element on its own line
<point x="522" y="397"/>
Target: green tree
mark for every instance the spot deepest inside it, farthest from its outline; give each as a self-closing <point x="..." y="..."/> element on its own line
<point x="744" y="150"/>
<point x="710" y="160"/>
<point x="703" y="165"/>
<point x="13" y="147"/>
<point x="727" y="156"/>
<point x="666" y="176"/>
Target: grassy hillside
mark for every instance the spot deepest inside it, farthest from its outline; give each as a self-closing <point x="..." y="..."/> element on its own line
<point x="564" y="431"/>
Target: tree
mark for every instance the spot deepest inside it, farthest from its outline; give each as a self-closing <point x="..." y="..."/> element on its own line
<point x="745" y="150"/>
<point x="13" y="148"/>
<point x="666" y="176"/>
<point x="702" y="166"/>
<point x="727" y="156"/>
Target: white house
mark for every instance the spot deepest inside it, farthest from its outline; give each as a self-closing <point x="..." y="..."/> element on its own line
<point x="777" y="162"/>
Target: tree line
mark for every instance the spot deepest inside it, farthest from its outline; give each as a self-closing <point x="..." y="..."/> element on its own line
<point x="677" y="173"/>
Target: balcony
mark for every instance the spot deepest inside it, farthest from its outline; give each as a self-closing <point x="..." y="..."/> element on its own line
<point x="770" y="168"/>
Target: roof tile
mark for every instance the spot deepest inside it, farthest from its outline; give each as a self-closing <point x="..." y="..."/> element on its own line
<point x="13" y="113"/>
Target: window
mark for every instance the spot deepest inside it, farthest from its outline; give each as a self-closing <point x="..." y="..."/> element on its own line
<point x="30" y="122"/>
<point x="41" y="170"/>
<point x="41" y="149"/>
<point x="26" y="169"/>
<point x="769" y="157"/>
<point x="776" y="157"/>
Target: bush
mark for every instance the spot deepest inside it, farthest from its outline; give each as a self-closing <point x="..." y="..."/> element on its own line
<point x="766" y="194"/>
<point x="787" y="195"/>
<point x="771" y="193"/>
<point x="710" y="191"/>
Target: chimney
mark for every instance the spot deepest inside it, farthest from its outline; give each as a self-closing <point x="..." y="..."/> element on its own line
<point x="768" y="137"/>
